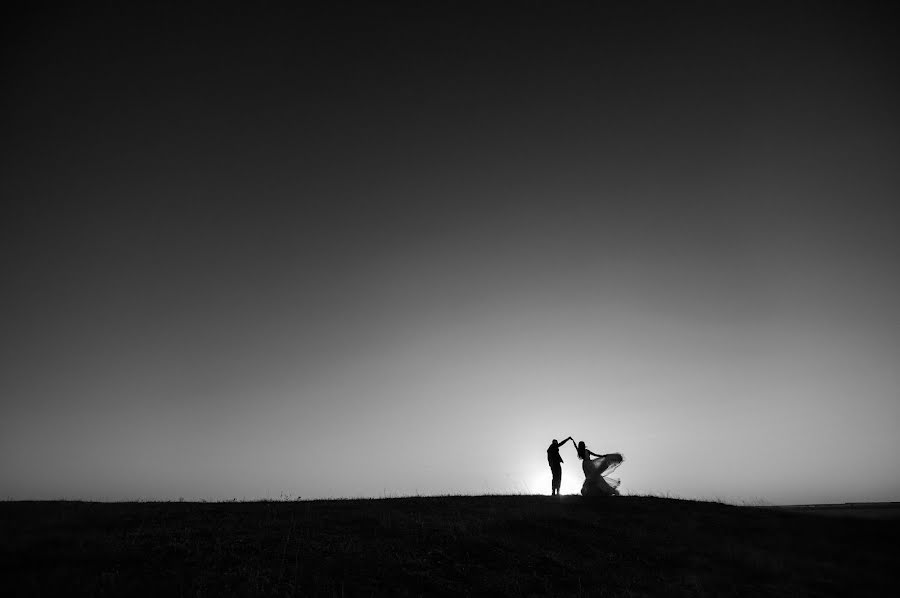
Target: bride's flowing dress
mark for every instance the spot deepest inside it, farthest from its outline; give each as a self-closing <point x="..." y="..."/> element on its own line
<point x="596" y="482"/>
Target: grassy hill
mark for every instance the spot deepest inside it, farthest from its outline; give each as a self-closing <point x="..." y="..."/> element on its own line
<point x="443" y="546"/>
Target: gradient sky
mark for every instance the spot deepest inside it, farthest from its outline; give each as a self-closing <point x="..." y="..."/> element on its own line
<point x="251" y="254"/>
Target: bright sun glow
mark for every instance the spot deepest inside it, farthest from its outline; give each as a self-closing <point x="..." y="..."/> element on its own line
<point x="539" y="481"/>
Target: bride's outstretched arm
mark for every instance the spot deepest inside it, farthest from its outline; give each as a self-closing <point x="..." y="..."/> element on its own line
<point x="567" y="440"/>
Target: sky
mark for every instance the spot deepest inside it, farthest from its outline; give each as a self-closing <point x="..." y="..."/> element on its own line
<point x="374" y="252"/>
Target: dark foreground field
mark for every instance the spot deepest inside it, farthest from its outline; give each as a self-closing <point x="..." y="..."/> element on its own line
<point x="486" y="545"/>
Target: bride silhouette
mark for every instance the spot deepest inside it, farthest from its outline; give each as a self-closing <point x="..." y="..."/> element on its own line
<point x="595" y="470"/>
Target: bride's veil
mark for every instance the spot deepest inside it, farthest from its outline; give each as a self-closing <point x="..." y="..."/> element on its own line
<point x="608" y="464"/>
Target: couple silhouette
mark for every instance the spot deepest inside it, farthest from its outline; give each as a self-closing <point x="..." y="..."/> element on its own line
<point x="594" y="466"/>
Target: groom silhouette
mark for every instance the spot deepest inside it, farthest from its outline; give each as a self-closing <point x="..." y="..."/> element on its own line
<point x="554" y="460"/>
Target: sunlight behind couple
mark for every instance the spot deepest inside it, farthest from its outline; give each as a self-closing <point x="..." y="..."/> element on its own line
<point x="539" y="481"/>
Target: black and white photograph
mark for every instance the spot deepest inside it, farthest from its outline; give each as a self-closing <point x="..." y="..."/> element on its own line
<point x="450" y="299"/>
